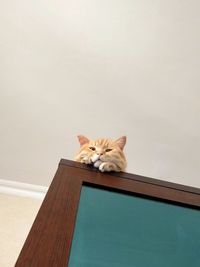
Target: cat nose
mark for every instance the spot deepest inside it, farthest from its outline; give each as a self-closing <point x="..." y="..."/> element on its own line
<point x="99" y="153"/>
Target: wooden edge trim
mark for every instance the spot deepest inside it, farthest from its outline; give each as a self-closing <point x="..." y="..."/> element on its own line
<point x="135" y="177"/>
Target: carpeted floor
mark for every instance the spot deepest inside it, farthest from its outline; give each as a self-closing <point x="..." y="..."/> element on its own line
<point x="16" y="218"/>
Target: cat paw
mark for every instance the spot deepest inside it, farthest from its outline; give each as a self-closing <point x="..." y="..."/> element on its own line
<point x="86" y="160"/>
<point x="97" y="163"/>
<point x="106" y="167"/>
<point x="95" y="158"/>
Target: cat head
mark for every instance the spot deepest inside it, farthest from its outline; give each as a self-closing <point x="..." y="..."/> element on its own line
<point x="103" y="142"/>
<point x="104" y="149"/>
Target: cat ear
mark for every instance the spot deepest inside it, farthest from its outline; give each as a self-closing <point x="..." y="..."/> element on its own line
<point x="83" y="140"/>
<point x="121" y="142"/>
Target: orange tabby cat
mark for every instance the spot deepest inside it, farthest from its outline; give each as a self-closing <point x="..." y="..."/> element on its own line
<point x="104" y="154"/>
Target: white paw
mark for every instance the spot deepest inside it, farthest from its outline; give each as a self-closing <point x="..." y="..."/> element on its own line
<point x="97" y="163"/>
<point x="102" y="167"/>
<point x="87" y="160"/>
<point x="95" y="158"/>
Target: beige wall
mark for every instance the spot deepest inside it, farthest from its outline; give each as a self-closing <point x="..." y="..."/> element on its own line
<point x="101" y="68"/>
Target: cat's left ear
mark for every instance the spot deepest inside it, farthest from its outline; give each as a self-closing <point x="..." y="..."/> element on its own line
<point x="83" y="140"/>
<point x="121" y="142"/>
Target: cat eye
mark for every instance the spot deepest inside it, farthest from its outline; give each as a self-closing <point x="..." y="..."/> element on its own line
<point x="92" y="148"/>
<point x="108" y="149"/>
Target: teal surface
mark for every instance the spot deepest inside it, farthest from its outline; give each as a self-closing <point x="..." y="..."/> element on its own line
<point x="119" y="230"/>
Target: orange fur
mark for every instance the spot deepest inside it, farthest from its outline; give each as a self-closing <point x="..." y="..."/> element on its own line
<point x="111" y="153"/>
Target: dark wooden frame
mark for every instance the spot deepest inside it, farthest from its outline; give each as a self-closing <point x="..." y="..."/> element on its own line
<point x="49" y="241"/>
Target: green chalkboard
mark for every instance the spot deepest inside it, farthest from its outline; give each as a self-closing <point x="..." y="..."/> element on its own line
<point x="119" y="230"/>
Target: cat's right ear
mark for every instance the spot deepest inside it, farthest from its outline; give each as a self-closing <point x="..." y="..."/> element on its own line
<point x="83" y="140"/>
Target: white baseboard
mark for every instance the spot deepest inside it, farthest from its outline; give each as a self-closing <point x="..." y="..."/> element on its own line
<point x="22" y="189"/>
